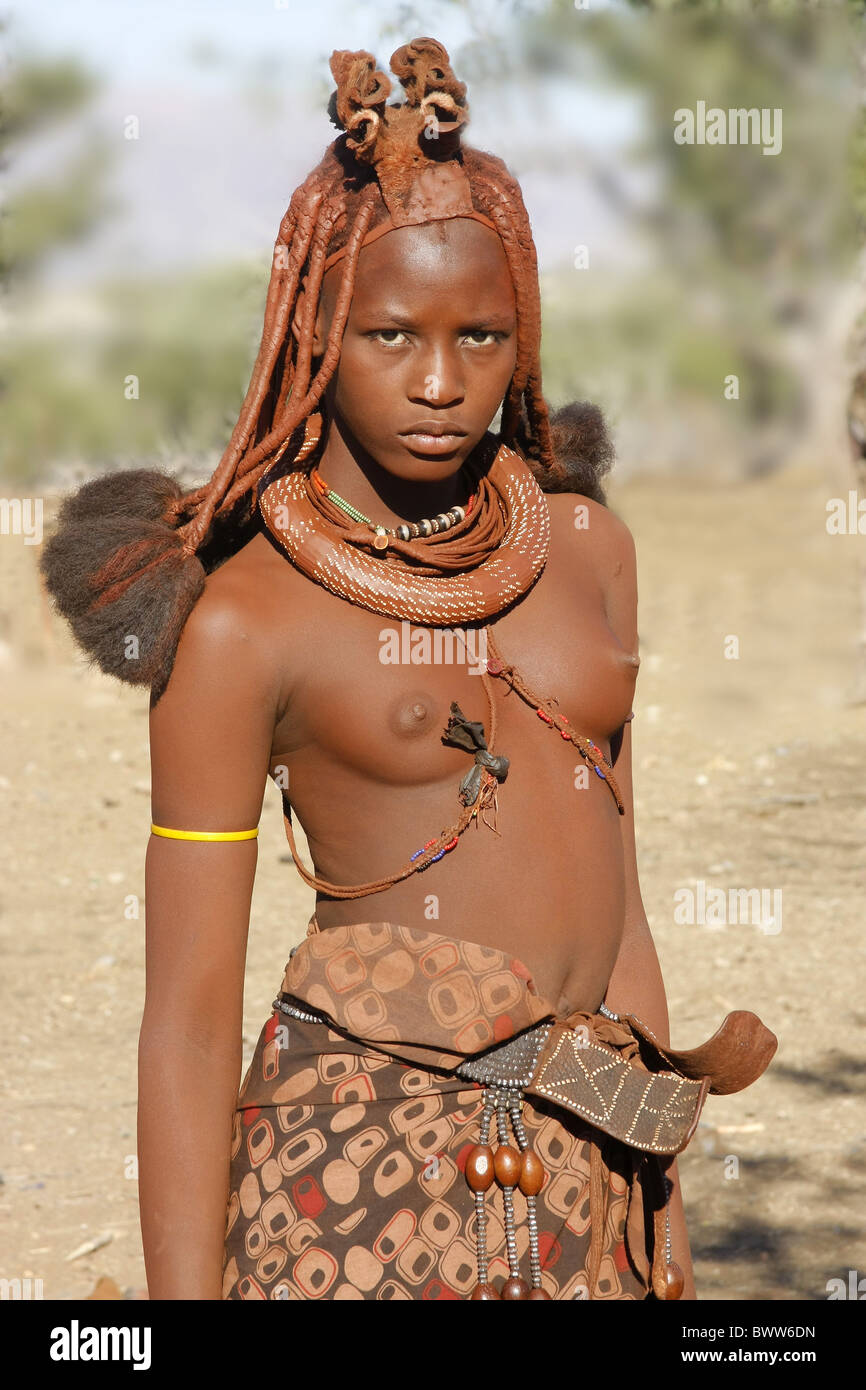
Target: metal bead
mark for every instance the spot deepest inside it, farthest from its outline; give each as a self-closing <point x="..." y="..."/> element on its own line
<point x="294" y="1012"/>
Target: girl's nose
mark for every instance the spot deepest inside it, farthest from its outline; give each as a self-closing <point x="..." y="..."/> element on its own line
<point x="438" y="378"/>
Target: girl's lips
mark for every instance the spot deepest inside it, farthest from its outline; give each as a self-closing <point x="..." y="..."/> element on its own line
<point x="433" y="443"/>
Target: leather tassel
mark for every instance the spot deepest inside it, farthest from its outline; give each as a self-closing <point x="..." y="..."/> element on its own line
<point x="596" y="1214"/>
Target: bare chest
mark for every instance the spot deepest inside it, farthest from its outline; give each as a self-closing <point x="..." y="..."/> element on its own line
<point x="373" y="694"/>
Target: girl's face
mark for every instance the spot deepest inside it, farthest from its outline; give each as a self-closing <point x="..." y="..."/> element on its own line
<point x="429" y="347"/>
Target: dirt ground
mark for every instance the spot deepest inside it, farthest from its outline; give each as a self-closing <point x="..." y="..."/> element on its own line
<point x="749" y="773"/>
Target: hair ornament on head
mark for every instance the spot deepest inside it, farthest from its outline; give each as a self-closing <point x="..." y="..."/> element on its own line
<point x="413" y="146"/>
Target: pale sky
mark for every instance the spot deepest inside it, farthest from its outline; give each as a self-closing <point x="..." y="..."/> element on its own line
<point x="225" y="136"/>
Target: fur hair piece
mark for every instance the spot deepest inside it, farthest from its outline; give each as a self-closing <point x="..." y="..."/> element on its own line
<point x="117" y="572"/>
<point x="583" y="451"/>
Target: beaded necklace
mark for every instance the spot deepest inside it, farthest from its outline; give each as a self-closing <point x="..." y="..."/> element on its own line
<point x="429" y="526"/>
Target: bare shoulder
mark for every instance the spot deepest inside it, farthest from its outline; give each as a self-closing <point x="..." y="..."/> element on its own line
<point x="238" y="602"/>
<point x="605" y="550"/>
<point x="228" y="637"/>
<point x="606" y="543"/>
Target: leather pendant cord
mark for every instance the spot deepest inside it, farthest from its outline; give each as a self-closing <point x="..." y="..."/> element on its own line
<point x="487" y="791"/>
<point x="545" y="706"/>
<point x="486" y="795"/>
<point x="470" y="543"/>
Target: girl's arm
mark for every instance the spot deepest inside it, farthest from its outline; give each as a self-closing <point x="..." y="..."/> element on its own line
<point x="636" y="984"/>
<point x="211" y="736"/>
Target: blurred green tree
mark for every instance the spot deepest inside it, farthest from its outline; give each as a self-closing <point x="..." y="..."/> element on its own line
<point x="39" y="97"/>
<point x="745" y="248"/>
<point x="740" y="248"/>
<point x="190" y="337"/>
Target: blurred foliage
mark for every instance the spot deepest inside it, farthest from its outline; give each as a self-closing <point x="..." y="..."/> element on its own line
<point x="40" y="217"/>
<point x="742" y="248"/>
<point x="739" y="249"/>
<point x="37" y="94"/>
<point x="38" y="97"/>
<point x="806" y="13"/>
<point x="188" y="339"/>
<point x="763" y="9"/>
<point x="720" y="202"/>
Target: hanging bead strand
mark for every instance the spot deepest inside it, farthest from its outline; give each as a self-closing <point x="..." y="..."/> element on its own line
<point x="530" y="1184"/>
<point x="479" y="1176"/>
<point x="506" y="1166"/>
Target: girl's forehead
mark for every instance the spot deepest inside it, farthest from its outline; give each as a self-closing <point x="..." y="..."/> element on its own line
<point x="452" y="250"/>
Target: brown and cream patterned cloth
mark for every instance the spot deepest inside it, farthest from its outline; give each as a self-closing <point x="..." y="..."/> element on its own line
<point x="352" y="1133"/>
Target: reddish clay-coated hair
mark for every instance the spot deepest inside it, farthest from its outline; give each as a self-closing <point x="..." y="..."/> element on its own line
<point x="335" y="207"/>
<point x="150" y="577"/>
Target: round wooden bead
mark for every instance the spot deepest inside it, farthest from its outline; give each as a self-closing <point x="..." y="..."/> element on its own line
<point x="515" y="1288"/>
<point x="675" y="1281"/>
<point x="479" y="1168"/>
<point x="484" y="1292"/>
<point x="531" y="1173"/>
<point x="507" y="1163"/>
<point x="537" y="1294"/>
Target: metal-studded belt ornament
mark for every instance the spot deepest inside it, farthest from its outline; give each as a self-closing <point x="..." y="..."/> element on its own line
<point x="653" y="1111"/>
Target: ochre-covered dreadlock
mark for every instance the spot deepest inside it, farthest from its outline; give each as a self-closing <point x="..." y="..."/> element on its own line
<point x="130" y="554"/>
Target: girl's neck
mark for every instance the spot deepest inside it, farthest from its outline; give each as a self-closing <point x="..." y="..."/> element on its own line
<point x="386" y="499"/>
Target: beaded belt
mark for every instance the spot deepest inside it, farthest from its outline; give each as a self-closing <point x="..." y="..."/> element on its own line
<point x="655" y="1112"/>
<point x="505" y="1073"/>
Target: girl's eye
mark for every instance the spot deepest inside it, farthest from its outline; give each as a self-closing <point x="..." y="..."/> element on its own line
<point x="389" y="336"/>
<point x="484" y="333"/>
<point x="477" y="337"/>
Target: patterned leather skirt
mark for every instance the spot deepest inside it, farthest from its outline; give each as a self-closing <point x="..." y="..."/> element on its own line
<point x="362" y="1136"/>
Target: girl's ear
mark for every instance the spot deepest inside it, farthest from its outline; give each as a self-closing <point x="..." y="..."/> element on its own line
<point x="298" y="318"/>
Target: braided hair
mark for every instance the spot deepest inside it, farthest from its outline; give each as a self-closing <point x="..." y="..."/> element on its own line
<point x="131" y="551"/>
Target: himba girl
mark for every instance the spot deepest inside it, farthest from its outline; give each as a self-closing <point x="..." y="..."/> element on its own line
<point x="468" y="1091"/>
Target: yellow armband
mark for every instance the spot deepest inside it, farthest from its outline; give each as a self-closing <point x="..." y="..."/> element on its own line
<point x="204" y="834"/>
